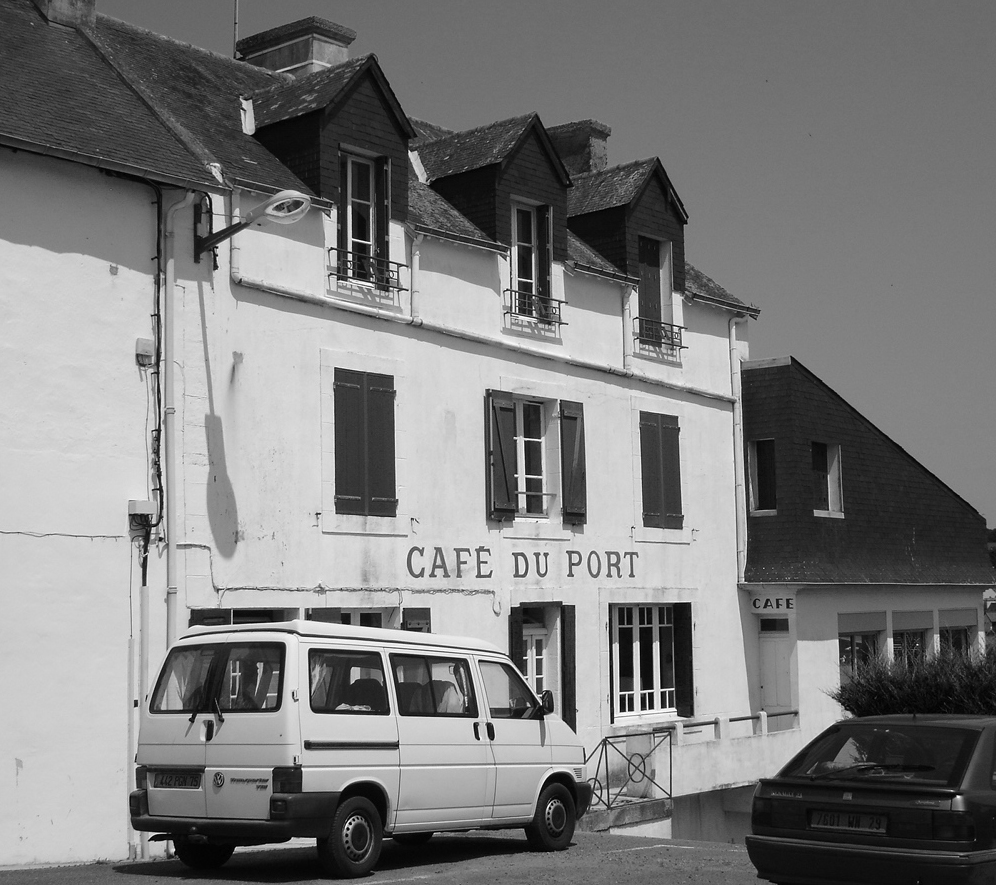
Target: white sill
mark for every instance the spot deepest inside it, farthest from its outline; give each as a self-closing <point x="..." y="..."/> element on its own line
<point x="647" y="535"/>
<point x="829" y="514"/>
<point x="764" y="513"/>
<point x="527" y="529"/>
<point x="350" y="524"/>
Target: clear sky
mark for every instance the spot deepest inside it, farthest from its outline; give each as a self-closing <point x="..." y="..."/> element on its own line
<point x="836" y="160"/>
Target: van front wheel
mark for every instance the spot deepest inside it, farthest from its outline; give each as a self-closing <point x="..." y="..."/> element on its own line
<point x="552" y="827"/>
<point x="202" y="855"/>
<point x="353" y="847"/>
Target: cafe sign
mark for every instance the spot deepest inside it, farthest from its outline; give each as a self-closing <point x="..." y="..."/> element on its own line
<point x="479" y="563"/>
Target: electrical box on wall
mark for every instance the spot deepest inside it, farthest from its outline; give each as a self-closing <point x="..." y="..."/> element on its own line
<point x="145" y="351"/>
<point x="141" y="513"/>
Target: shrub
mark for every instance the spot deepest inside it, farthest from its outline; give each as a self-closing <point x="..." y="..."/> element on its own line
<point x="947" y="683"/>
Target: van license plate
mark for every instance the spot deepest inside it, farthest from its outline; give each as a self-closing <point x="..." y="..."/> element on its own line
<point x="839" y="820"/>
<point x="177" y="780"/>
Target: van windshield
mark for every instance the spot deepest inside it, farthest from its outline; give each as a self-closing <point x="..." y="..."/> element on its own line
<point x="233" y="677"/>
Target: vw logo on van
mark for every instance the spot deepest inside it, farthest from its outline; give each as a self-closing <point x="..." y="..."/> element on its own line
<point x="219" y="780"/>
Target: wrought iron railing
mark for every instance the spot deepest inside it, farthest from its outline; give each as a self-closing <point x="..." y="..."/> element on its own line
<point x="529" y="305"/>
<point x="365" y="269"/>
<point x="654" y="333"/>
<point x="625" y="769"/>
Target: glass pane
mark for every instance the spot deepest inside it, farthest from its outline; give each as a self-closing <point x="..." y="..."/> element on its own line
<point x="532" y="420"/>
<point x="347" y="682"/>
<point x="361" y="180"/>
<point x="361" y="228"/>
<point x="533" y="451"/>
<point x="183" y="683"/>
<point x="433" y="686"/>
<point x="524" y="226"/>
<point x="251" y="678"/>
<point x="508" y="696"/>
<point x="666" y="643"/>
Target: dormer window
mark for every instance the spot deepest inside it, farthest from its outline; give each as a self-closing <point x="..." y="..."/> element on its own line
<point x="655" y="323"/>
<point x="364" y="213"/>
<point x="530" y="294"/>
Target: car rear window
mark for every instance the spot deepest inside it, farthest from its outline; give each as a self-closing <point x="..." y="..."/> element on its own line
<point x="904" y="752"/>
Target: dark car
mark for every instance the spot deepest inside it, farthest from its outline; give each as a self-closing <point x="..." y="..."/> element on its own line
<point x="909" y="800"/>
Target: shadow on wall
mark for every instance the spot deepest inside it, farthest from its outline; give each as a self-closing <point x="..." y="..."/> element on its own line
<point x="222" y="508"/>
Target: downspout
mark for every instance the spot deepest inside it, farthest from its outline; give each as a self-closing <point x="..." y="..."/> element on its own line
<point x="414" y="280"/>
<point x="738" y="450"/>
<point x="169" y="414"/>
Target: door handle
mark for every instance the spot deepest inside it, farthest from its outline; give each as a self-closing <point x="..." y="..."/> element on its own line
<point x="208" y="729"/>
<point x="491" y="731"/>
<point x="477" y="730"/>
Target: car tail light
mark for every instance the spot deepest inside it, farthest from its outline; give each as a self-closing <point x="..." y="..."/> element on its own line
<point x="141" y="777"/>
<point x="953" y="826"/>
<point x="760" y="814"/>
<point x="287" y="780"/>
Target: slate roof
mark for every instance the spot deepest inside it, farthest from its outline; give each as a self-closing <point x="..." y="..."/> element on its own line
<point x="452" y="154"/>
<point x="588" y="259"/>
<point x="615" y="186"/>
<point x="118" y="96"/>
<point x="699" y="287"/>
<point x="429" y="212"/>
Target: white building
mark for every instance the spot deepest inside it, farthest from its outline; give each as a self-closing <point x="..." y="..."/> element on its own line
<point x="475" y="389"/>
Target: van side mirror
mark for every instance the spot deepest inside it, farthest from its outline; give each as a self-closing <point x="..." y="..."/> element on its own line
<point x="546" y="699"/>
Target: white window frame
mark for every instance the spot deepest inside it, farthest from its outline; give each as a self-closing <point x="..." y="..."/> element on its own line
<point x="640" y="700"/>
<point x="835" y="491"/>
<point x="522" y="494"/>
<point x="352" y="163"/>
<point x="537" y="647"/>
<point x="518" y="282"/>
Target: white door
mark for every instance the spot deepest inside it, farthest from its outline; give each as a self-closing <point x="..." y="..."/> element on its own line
<point x="776" y="672"/>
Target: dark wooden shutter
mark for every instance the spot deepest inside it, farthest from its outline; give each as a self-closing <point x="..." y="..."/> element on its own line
<point x="650" y="462"/>
<point x="350" y="442"/>
<point x="381" y="485"/>
<point x="364" y="444"/>
<point x="516" y="640"/>
<point x="661" y="466"/>
<point x="543" y="257"/>
<point x="382" y="210"/>
<point x="671" y="472"/>
<point x="568" y="666"/>
<point x="572" y="459"/>
<point x="342" y="229"/>
<point x="650" y="290"/>
<point x="684" y="687"/>
<point x="502" y="499"/>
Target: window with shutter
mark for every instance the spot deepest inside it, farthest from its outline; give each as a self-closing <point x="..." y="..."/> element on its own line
<point x="644" y="659"/>
<point x="661" y="471"/>
<point x="364" y="444"/>
<point x="531" y="257"/>
<point x="364" y="220"/>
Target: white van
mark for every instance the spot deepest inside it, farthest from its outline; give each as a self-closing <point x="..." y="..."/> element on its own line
<point x="263" y="732"/>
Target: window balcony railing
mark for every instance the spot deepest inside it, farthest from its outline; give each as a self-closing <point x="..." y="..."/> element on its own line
<point x="530" y="306"/>
<point x="361" y="268"/>
<point x="654" y="333"/>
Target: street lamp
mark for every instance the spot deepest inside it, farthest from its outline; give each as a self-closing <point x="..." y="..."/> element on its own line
<point x="285" y="207"/>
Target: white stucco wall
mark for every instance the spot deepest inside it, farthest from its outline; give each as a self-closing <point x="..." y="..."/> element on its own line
<point x="76" y="290"/>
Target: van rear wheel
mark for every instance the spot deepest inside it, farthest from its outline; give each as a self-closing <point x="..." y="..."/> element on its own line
<point x="353" y="847"/>
<point x="202" y="855"/>
<point x="552" y="827"/>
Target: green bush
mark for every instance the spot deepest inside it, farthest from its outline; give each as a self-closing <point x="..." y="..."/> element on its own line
<point x="948" y="683"/>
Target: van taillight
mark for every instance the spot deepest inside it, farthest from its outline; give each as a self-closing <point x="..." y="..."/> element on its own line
<point x="287" y="780"/>
<point x="141" y="777"/>
<point x="954" y="826"/>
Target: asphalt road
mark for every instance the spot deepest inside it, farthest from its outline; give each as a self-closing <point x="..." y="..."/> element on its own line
<point x="500" y="858"/>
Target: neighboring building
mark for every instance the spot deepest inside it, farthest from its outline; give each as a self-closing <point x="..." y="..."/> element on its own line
<point x="854" y="548"/>
<point x="471" y="391"/>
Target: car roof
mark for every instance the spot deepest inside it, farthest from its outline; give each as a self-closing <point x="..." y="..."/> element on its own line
<point x="944" y="720"/>
<point x="324" y="630"/>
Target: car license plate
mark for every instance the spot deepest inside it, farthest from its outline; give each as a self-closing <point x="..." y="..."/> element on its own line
<point x="177" y="780"/>
<point x="843" y="820"/>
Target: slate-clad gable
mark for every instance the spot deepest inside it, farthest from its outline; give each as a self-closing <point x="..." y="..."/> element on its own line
<point x="901" y="524"/>
<point x="480" y="171"/>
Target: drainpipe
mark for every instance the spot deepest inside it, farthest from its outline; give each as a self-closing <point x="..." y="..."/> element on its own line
<point x="738" y="450"/>
<point x="416" y="264"/>
<point x="169" y="412"/>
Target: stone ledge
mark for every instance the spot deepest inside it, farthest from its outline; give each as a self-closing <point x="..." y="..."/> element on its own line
<point x="626" y="815"/>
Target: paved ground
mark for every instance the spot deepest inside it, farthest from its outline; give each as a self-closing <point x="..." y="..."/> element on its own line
<point x="501" y="858"/>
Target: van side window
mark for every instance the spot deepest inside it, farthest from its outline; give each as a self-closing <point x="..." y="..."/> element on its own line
<point x="237" y="677"/>
<point x="433" y="686"/>
<point x="508" y="695"/>
<point x="347" y="682"/>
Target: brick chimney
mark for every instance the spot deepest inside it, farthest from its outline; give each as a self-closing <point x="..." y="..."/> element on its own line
<point x="581" y="145"/>
<point x="72" y="13"/>
<point x="299" y="48"/>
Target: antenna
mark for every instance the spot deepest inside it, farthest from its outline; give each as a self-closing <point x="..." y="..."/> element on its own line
<point x="235" y="39"/>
